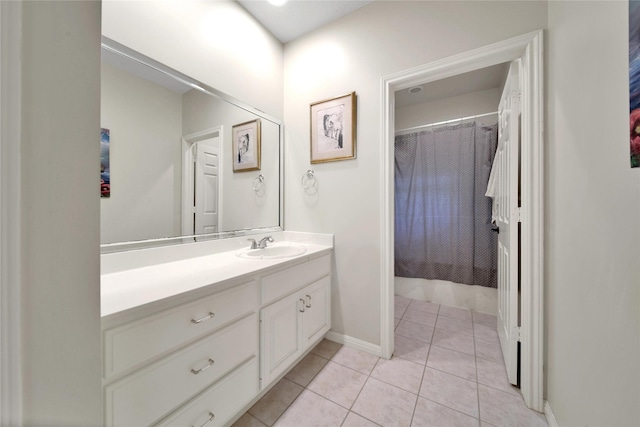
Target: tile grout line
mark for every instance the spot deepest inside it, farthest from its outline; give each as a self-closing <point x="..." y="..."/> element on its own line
<point x="303" y="387"/>
<point x="475" y="362"/>
<point x="473" y="325"/>
<point x="448" y="373"/>
<point x="424" y="370"/>
<point x="357" y="396"/>
<point x="418" y="393"/>
<point x="476" y="368"/>
<point x="349" y="409"/>
<point x="415" y="405"/>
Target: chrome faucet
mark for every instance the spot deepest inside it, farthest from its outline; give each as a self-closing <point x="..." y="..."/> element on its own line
<point x="263" y="242"/>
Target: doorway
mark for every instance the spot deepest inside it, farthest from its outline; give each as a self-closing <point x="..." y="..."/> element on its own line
<point x="201" y="182"/>
<point x="528" y="49"/>
<point x="445" y="242"/>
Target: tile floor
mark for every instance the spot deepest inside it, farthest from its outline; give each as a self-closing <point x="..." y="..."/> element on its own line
<point x="447" y="370"/>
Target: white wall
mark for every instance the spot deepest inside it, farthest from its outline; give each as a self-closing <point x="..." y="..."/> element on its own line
<point x="469" y="104"/>
<point x="60" y="226"/>
<point x="592" y="220"/>
<point x="215" y="42"/>
<point x="145" y="121"/>
<point x="352" y="54"/>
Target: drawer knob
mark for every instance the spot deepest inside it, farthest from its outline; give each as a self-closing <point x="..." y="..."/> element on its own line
<point x="207" y="317"/>
<point x="211" y="417"/>
<point x="208" y="365"/>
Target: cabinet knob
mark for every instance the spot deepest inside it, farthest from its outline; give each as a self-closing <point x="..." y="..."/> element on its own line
<point x="308" y="303"/>
<point x="303" y="305"/>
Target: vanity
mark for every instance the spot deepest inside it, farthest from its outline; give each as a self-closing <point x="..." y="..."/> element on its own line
<point x="197" y="324"/>
<point x="197" y="340"/>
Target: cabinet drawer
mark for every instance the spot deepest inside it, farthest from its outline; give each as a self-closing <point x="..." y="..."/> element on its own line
<point x="284" y="282"/>
<point x="150" y="394"/>
<point x="216" y="406"/>
<point x="131" y="344"/>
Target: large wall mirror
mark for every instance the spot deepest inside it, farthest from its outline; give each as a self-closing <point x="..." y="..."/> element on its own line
<point x="180" y="161"/>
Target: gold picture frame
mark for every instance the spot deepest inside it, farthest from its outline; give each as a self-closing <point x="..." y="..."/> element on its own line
<point x="333" y="129"/>
<point x="246" y="150"/>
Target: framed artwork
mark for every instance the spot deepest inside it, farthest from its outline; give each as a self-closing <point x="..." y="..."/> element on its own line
<point x="105" y="163"/>
<point x="333" y="129"/>
<point x="246" y="146"/>
<point x="634" y="82"/>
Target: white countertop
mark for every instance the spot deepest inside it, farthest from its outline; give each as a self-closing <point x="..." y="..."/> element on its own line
<point x="134" y="287"/>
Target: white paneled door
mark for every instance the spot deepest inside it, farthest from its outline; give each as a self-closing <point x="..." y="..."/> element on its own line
<point x="508" y="218"/>
<point x="206" y="187"/>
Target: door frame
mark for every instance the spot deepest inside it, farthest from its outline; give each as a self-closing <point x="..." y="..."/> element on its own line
<point x="11" y="389"/>
<point x="529" y="48"/>
<point x="187" y="175"/>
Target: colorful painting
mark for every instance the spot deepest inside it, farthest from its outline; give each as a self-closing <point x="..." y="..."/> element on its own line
<point x="105" y="171"/>
<point x="634" y="81"/>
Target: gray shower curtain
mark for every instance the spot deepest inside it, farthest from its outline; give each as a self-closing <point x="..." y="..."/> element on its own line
<point x="442" y="217"/>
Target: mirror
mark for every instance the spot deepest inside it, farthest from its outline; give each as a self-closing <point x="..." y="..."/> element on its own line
<point x="181" y="161"/>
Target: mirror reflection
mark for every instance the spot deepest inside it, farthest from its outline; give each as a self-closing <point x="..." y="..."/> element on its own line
<point x="170" y="166"/>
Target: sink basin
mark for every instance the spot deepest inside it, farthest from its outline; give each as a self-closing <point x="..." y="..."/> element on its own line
<point x="275" y="251"/>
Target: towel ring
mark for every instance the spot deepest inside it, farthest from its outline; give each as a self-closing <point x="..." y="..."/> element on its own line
<point x="308" y="179"/>
<point x="258" y="183"/>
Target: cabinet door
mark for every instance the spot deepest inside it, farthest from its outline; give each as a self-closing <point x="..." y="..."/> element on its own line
<point x="281" y="336"/>
<point x="316" y="319"/>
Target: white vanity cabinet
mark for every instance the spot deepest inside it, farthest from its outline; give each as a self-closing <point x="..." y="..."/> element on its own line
<point x="201" y="357"/>
<point x="156" y="363"/>
<point x="299" y="317"/>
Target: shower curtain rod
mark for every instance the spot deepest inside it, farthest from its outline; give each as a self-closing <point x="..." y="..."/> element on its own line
<point x="446" y="122"/>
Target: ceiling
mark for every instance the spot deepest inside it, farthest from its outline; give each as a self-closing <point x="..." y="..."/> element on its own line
<point x="298" y="17"/>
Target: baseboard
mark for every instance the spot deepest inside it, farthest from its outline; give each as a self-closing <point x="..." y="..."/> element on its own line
<point x="551" y="419"/>
<point x="354" y="343"/>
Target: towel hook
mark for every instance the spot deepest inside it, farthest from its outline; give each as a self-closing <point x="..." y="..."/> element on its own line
<point x="258" y="183"/>
<point x="308" y="179"/>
